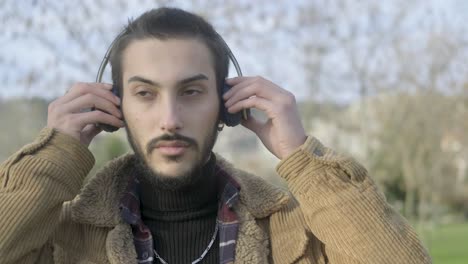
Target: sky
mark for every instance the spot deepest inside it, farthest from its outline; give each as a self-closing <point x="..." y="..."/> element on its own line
<point x="40" y="57"/>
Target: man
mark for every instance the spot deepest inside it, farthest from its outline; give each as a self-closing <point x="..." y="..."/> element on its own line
<point x="174" y="201"/>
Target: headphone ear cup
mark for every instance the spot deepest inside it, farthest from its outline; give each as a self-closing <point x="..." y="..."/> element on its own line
<point x="229" y="119"/>
<point x="106" y="127"/>
<point x="115" y="90"/>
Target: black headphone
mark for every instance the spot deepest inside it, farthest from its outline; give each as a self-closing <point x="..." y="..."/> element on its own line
<point x="226" y="117"/>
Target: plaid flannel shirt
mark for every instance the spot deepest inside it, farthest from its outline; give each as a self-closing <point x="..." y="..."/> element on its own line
<point x="228" y="223"/>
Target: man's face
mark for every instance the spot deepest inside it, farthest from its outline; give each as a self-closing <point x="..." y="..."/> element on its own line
<point x="170" y="104"/>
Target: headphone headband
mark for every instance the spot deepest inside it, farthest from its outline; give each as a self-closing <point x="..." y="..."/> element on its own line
<point x="105" y="60"/>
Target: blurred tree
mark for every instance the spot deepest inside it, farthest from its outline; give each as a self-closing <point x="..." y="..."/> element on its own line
<point x="408" y="154"/>
<point x="407" y="63"/>
<point x="21" y="119"/>
<point x="408" y="51"/>
<point x="106" y="147"/>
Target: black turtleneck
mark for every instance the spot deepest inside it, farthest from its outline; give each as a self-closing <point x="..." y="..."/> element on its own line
<point x="182" y="222"/>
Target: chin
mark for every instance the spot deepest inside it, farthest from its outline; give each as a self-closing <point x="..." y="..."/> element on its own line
<point x="173" y="169"/>
<point x="172" y="166"/>
<point x="171" y="172"/>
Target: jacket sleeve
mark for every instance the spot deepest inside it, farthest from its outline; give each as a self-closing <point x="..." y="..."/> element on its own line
<point x="34" y="183"/>
<point x="345" y="210"/>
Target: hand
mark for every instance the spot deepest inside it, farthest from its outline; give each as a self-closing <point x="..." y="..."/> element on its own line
<point x="66" y="113"/>
<point x="283" y="132"/>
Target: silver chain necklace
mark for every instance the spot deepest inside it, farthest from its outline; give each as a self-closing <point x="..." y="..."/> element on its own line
<point x="202" y="255"/>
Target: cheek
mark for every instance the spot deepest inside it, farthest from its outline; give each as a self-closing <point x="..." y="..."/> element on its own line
<point x="205" y="116"/>
<point x="133" y="113"/>
<point x="208" y="120"/>
<point x="135" y="123"/>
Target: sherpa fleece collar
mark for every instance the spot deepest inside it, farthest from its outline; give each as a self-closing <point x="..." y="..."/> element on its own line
<point x="98" y="202"/>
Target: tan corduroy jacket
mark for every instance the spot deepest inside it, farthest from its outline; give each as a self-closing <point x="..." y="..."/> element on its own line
<point x="332" y="214"/>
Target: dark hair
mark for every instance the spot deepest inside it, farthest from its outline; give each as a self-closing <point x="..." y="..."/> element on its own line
<point x="166" y="23"/>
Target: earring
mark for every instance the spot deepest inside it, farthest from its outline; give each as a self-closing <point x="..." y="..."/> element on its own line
<point x="220" y="126"/>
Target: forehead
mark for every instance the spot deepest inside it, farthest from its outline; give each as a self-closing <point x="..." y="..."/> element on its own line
<point x="170" y="58"/>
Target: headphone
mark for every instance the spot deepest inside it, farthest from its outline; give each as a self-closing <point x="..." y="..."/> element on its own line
<point x="227" y="118"/>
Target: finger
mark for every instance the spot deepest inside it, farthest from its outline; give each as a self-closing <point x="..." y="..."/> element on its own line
<point x="91" y="130"/>
<point x="80" y="89"/>
<point x="94" y="117"/>
<point x="91" y="101"/>
<point x="238" y="85"/>
<point x="254" y="89"/>
<point x="236" y="80"/>
<point x="256" y="86"/>
<point x="252" y="102"/>
<point x="253" y="124"/>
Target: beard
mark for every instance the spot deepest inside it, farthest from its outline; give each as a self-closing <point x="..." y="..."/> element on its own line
<point x="173" y="182"/>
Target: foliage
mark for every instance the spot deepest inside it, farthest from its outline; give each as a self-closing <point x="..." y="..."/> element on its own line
<point x="21" y="120"/>
<point x="447" y="244"/>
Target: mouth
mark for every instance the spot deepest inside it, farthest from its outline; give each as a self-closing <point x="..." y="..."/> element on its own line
<point x="172" y="148"/>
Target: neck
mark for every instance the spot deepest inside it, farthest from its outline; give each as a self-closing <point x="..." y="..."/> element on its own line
<point x="201" y="193"/>
<point x="182" y="221"/>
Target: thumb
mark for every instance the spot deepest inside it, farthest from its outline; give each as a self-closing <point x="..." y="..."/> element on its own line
<point x="89" y="132"/>
<point x="253" y="124"/>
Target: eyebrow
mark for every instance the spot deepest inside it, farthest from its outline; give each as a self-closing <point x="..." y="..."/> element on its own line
<point x="153" y="83"/>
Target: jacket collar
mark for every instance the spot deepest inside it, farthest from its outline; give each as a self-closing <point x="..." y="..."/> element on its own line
<point x="98" y="202"/>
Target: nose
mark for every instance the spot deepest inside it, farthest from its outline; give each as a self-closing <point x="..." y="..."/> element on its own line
<point x="170" y="120"/>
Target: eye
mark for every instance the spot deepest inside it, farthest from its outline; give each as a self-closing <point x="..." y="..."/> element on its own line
<point x="191" y="92"/>
<point x="144" y="94"/>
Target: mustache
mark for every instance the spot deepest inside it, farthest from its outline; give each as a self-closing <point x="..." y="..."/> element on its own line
<point x="169" y="137"/>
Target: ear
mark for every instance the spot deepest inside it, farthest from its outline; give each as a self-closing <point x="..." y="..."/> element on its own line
<point x="220" y="125"/>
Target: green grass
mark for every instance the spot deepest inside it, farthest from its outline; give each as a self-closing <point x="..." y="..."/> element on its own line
<point x="448" y="244"/>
